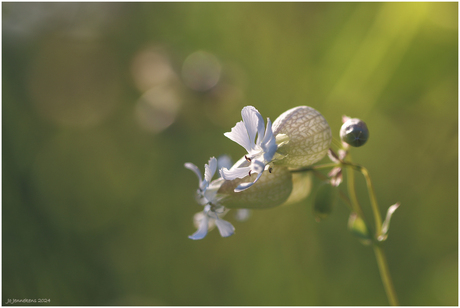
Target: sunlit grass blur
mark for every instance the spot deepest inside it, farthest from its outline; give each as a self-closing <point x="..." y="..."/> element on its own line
<point x="103" y="103"/>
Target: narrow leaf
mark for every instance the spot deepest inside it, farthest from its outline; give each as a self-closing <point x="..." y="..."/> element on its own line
<point x="386" y="224"/>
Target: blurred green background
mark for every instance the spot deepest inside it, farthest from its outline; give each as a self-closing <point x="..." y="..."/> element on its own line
<point x="103" y="103"/>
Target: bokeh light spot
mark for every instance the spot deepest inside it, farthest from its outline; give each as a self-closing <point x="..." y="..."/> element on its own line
<point x="201" y="71"/>
<point x="151" y="67"/>
<point x="157" y="108"/>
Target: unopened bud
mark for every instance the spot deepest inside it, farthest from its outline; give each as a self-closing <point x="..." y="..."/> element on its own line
<point x="354" y="132"/>
<point x="325" y="200"/>
<point x="358" y="227"/>
<point x="303" y="136"/>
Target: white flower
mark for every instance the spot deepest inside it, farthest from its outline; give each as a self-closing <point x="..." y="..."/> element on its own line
<point x="272" y="189"/>
<point x="260" y="151"/>
<point x="209" y="218"/>
<point x="224" y="161"/>
<point x="207" y="196"/>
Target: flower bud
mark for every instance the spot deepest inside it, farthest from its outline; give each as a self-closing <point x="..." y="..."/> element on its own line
<point x="303" y="136"/>
<point x="354" y="132"/>
<point x="358" y="228"/>
<point x="325" y="200"/>
<point x="272" y="189"/>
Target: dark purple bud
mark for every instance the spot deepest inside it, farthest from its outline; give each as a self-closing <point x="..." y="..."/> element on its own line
<point x="354" y="132"/>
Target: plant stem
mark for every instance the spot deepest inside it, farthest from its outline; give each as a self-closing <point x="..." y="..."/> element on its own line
<point x="385" y="275"/>
<point x="375" y="207"/>
<point x="355" y="207"/>
<point x="346" y="200"/>
<point x="352" y="192"/>
<point x="373" y="199"/>
<point x="337" y="143"/>
<point x="378" y="250"/>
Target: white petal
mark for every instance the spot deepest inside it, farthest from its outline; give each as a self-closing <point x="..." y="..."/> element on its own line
<point x="252" y="121"/>
<point x="260" y="128"/>
<point x="268" y="132"/>
<point x="269" y="145"/>
<point x="210" y="169"/>
<point x="225" y="228"/>
<point x="202" y="229"/>
<point x="244" y="186"/>
<point x="257" y="166"/>
<point x="210" y="195"/>
<point x="269" y="151"/>
<point x="237" y="173"/>
<point x="195" y="169"/>
<point x="242" y="162"/>
<point x="239" y="134"/>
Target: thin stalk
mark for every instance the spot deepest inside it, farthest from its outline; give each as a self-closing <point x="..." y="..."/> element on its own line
<point x="378" y="250"/>
<point x="337" y="143"/>
<point x="352" y="192"/>
<point x="320" y="176"/>
<point x="347" y="201"/>
<point x="355" y="207"/>
<point x="375" y="207"/>
<point x="385" y="275"/>
<point x="379" y="254"/>
<point x="373" y="199"/>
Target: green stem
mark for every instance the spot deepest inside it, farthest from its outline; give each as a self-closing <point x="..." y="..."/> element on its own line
<point x="379" y="254"/>
<point x="375" y="207"/>
<point x="347" y="201"/>
<point x="352" y="192"/>
<point x="385" y="275"/>
<point x="373" y="199"/>
<point x="355" y="207"/>
<point x="337" y="143"/>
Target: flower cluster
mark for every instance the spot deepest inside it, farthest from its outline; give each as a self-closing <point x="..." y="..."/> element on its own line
<point x="298" y="138"/>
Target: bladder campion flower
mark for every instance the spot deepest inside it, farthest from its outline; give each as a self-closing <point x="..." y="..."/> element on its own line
<point x="218" y="196"/>
<point x="298" y="138"/>
<point x="272" y="189"/>
<point x="207" y="196"/>
<point x="301" y="138"/>
<point x="260" y="150"/>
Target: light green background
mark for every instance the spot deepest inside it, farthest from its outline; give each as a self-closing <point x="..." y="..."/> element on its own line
<point x="96" y="210"/>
